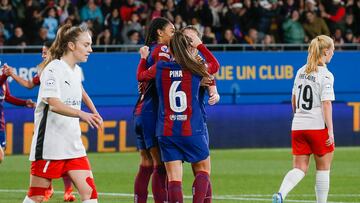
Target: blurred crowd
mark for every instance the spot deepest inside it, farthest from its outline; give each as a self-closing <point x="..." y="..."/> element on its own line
<point x="32" y="22"/>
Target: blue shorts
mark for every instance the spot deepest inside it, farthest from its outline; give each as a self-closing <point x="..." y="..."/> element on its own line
<point x="145" y="128"/>
<point x="2" y="139"/>
<point x="191" y="149"/>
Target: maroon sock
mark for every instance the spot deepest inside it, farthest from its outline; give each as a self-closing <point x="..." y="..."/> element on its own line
<point x="200" y="186"/>
<point x="141" y="184"/>
<point x="208" y="198"/>
<point x="175" y="192"/>
<point x="159" y="184"/>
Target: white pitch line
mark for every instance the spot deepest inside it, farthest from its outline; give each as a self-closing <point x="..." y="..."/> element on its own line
<point x="242" y="197"/>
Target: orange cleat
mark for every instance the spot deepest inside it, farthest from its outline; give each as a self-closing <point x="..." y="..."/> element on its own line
<point x="68" y="196"/>
<point x="48" y="194"/>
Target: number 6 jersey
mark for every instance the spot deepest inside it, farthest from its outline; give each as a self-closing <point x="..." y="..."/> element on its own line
<point x="310" y="90"/>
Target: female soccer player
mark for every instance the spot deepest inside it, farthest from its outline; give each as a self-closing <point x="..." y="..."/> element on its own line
<point x="5" y="95"/>
<point x="56" y="147"/>
<point x="68" y="195"/>
<point x="145" y="115"/>
<point x="312" y="126"/>
<point x="180" y="125"/>
<point x="214" y="98"/>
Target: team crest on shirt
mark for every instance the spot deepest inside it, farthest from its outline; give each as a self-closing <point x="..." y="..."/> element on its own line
<point x="164" y="49"/>
<point x="50" y="82"/>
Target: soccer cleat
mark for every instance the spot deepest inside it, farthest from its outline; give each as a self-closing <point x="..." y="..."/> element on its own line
<point x="48" y="194"/>
<point x="277" y="198"/>
<point x="68" y="196"/>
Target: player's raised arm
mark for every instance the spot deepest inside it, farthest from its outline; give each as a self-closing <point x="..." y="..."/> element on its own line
<point x="212" y="62"/>
<point x="8" y="70"/>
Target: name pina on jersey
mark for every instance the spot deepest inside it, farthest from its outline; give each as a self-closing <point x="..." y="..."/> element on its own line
<point x="308" y="77"/>
<point x="176" y="74"/>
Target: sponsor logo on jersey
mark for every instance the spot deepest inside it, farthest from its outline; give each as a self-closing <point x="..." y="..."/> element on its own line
<point x="72" y="102"/>
<point x="178" y="117"/>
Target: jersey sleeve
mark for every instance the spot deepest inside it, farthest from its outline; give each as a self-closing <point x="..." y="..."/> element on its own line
<point x="49" y="84"/>
<point x="36" y="80"/>
<point x="213" y="82"/>
<point x="11" y="99"/>
<point x="212" y="62"/>
<point x="327" y="87"/>
<point x="3" y="79"/>
<point x="144" y="74"/>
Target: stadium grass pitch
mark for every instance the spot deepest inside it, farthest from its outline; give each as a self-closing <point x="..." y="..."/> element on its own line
<point x="241" y="175"/>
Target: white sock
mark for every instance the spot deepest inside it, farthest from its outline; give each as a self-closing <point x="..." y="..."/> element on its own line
<point x="322" y="185"/>
<point x="90" y="201"/>
<point x="28" y="200"/>
<point x="291" y="179"/>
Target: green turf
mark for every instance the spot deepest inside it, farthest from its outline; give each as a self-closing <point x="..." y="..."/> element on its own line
<point x="253" y="174"/>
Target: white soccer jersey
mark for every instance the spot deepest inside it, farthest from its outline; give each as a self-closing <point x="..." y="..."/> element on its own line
<point x="310" y="90"/>
<point x="58" y="137"/>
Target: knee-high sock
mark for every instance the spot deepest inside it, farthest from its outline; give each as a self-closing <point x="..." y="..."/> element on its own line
<point x="159" y="184"/>
<point x="322" y="186"/>
<point x="175" y="192"/>
<point x="200" y="186"/>
<point x="141" y="184"/>
<point x="67" y="183"/>
<point x="208" y="198"/>
<point x="291" y="179"/>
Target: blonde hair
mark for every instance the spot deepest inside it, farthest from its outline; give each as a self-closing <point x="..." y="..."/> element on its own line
<point x="66" y="33"/>
<point x="316" y="52"/>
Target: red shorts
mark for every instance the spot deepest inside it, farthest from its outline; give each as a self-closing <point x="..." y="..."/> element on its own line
<point x="310" y="142"/>
<point x="57" y="168"/>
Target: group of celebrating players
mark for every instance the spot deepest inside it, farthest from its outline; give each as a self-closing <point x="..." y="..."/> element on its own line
<point x="174" y="73"/>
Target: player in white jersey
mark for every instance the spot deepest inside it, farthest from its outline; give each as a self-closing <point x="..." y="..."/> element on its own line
<point x="312" y="126"/>
<point x="8" y="70"/>
<point x="56" y="147"/>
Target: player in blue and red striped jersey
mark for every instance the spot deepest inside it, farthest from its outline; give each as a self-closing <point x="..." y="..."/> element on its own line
<point x="145" y="115"/>
<point x="6" y="96"/>
<point x="180" y="125"/>
<point x="208" y="85"/>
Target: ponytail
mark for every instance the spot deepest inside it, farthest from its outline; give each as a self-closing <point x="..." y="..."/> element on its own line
<point x="316" y="52"/>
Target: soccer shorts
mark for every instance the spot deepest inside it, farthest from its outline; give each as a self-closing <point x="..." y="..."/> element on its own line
<point x="57" y="168"/>
<point x="191" y="149"/>
<point x="2" y="139"/>
<point x="145" y="128"/>
<point x="310" y="142"/>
